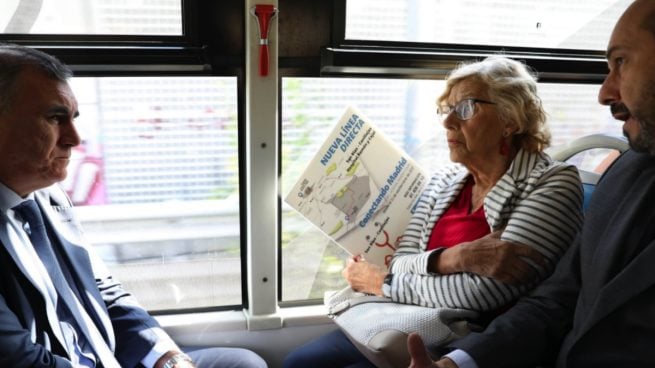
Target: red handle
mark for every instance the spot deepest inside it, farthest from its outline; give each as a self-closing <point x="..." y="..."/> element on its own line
<point x="264" y="13"/>
<point x="263" y="60"/>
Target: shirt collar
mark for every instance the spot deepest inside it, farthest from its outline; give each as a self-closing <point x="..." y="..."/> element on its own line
<point x="9" y="198"/>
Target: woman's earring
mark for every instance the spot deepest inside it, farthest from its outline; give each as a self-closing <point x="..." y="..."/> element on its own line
<point x="504" y="146"/>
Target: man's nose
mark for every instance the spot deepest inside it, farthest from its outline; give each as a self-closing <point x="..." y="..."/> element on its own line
<point x="69" y="135"/>
<point x="609" y="90"/>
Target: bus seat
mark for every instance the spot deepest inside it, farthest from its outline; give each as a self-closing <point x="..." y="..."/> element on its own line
<point x="591" y="154"/>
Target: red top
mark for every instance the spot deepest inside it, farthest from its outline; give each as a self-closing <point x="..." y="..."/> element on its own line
<point x="457" y="225"/>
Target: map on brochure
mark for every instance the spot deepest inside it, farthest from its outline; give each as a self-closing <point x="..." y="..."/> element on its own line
<point x="360" y="189"/>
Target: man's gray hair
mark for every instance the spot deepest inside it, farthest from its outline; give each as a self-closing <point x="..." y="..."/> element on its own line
<point x="15" y="58"/>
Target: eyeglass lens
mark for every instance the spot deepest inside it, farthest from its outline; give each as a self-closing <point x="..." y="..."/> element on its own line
<point x="463" y="109"/>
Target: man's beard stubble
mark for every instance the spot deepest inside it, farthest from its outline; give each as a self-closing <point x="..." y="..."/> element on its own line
<point x="645" y="141"/>
<point x="644" y="114"/>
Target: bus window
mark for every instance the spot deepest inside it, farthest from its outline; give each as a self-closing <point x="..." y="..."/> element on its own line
<point x="522" y="23"/>
<point x="155" y="184"/>
<point x="103" y="17"/>
<point x="405" y="110"/>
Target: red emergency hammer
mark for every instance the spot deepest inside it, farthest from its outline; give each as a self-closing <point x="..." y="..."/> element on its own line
<point x="264" y="13"/>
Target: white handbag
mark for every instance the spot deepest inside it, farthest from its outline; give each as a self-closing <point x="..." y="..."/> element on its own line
<point x="379" y="327"/>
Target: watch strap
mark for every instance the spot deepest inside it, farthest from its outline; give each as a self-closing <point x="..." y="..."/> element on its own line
<point x="177" y="358"/>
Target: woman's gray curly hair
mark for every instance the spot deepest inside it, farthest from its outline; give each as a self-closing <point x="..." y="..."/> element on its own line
<point x="513" y="87"/>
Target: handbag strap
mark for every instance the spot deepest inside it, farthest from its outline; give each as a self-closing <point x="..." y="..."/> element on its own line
<point x="338" y="308"/>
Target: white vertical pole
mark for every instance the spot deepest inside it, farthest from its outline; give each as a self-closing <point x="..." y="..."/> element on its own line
<point x="262" y="170"/>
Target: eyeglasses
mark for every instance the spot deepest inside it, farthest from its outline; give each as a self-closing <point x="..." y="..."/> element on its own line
<point x="464" y="109"/>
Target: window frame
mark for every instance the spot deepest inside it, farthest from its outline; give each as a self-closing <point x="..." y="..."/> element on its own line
<point x="434" y="60"/>
<point x="194" y="53"/>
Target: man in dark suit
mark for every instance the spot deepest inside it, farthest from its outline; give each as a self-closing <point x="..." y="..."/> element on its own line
<point x="598" y="308"/>
<point x="59" y="305"/>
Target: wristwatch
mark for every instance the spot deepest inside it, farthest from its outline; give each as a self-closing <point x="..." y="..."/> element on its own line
<point x="177" y="358"/>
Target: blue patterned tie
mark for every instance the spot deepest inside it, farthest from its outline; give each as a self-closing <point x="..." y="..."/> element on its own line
<point x="36" y="230"/>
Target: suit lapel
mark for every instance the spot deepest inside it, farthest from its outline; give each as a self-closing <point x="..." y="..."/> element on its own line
<point x="67" y="231"/>
<point x="619" y="239"/>
<point x="631" y="281"/>
<point x="4" y="237"/>
<point x="53" y="320"/>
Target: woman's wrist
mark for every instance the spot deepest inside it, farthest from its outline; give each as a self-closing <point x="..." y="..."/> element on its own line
<point x="379" y="283"/>
<point x="444" y="262"/>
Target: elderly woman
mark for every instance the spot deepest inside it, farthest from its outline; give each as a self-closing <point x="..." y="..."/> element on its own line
<point x="486" y="229"/>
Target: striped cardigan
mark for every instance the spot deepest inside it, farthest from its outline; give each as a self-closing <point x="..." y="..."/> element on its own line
<point x="537" y="200"/>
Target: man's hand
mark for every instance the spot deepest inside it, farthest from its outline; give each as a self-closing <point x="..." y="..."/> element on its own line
<point x="420" y="357"/>
<point x="491" y="257"/>
<point x="363" y="276"/>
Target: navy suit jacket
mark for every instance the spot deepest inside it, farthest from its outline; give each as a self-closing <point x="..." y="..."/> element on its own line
<point x="598" y="308"/>
<point x="29" y="333"/>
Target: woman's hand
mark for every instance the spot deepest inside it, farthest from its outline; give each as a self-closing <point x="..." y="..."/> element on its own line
<point x="491" y="257"/>
<point x="363" y="276"/>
